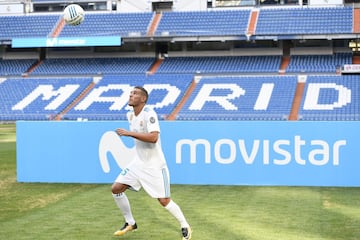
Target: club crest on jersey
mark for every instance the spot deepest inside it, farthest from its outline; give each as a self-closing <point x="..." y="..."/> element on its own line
<point x="152" y="120"/>
<point x="141" y="123"/>
<point x="131" y="117"/>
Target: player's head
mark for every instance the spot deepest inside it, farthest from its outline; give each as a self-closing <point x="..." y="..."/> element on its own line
<point x="143" y="92"/>
<point x="138" y="96"/>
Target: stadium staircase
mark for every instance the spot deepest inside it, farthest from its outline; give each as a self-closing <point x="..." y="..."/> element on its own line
<point x="252" y="22"/>
<point x="155" y="66"/>
<point x="293" y="116"/>
<point x="32" y="68"/>
<point x="59" y="116"/>
<point x="154" y="23"/>
<point x="177" y="109"/>
<point x="356" y="20"/>
<point x="58" y="28"/>
<point x="284" y="64"/>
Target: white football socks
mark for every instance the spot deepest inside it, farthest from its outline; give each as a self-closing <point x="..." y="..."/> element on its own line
<point x="175" y="210"/>
<point x="123" y="203"/>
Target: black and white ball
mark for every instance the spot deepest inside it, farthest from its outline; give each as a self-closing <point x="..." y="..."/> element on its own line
<point x="74" y="14"/>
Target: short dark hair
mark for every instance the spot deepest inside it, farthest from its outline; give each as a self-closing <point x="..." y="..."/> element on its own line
<point x="144" y="92"/>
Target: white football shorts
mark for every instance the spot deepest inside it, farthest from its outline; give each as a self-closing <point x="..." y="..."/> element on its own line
<point x="156" y="182"/>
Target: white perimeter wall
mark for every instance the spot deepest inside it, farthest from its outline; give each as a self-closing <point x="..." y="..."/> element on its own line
<point x="189" y="5"/>
<point x="146" y="5"/>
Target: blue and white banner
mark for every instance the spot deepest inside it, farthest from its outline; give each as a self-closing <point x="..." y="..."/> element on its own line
<point x="66" y="42"/>
<point x="201" y="152"/>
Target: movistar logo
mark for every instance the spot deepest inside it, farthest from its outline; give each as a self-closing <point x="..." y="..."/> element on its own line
<point x="54" y="42"/>
<point x="316" y="152"/>
<point x="111" y="143"/>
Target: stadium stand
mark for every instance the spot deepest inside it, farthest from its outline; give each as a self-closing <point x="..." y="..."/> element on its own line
<point x="38" y="98"/>
<point x="271" y="21"/>
<point x="86" y="66"/>
<point x="26" y="26"/>
<point x="225" y="64"/>
<point x="244" y="87"/>
<point x="337" y="99"/>
<point x="102" y="105"/>
<point x="307" y="20"/>
<point x="111" y="24"/>
<point x="15" y="67"/>
<point x="318" y="63"/>
<point x="200" y="23"/>
<point x="181" y="71"/>
<point x="241" y="98"/>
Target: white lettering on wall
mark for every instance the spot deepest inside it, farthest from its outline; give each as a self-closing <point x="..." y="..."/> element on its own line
<point x="262" y="102"/>
<point x="95" y="96"/>
<point x="119" y="102"/>
<point x="204" y="96"/>
<point x="47" y="92"/>
<point x="313" y="92"/>
<point x="320" y="153"/>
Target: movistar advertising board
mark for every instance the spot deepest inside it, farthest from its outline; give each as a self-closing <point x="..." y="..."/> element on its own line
<point x="66" y="42"/>
<point x="201" y="152"/>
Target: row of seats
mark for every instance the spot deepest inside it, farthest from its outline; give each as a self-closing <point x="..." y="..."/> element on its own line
<point x="326" y="97"/>
<point x="307" y="20"/>
<point x="212" y="64"/>
<point x="85" y="66"/>
<point x="318" y="63"/>
<point x="203" y="23"/>
<point x="38" y="98"/>
<point x="15" y="66"/>
<point x="232" y="98"/>
<point x="189" y="65"/>
<point x="165" y="92"/>
<point x="271" y="21"/>
<point x="27" y="26"/>
<point x="333" y="102"/>
<point x="110" y="24"/>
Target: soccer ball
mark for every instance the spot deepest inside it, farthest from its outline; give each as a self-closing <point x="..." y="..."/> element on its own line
<point x="74" y="14"/>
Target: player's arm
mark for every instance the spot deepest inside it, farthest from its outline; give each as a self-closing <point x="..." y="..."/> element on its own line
<point x="151" y="137"/>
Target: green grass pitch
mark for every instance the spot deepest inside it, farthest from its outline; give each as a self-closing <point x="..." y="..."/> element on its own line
<point x="87" y="211"/>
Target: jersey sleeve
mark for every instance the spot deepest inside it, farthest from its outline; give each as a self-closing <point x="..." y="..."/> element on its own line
<point x="152" y="121"/>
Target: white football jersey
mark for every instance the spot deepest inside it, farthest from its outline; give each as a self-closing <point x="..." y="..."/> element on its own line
<point x="149" y="154"/>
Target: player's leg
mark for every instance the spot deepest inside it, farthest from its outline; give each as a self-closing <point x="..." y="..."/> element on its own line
<point x="123" y="182"/>
<point x="121" y="200"/>
<point x="176" y="211"/>
<point x="157" y="185"/>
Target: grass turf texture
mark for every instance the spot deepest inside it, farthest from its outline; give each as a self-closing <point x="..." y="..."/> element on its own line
<point x="82" y="211"/>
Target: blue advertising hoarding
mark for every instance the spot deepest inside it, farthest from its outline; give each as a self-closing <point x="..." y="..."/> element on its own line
<point x="202" y="152"/>
<point x="66" y="42"/>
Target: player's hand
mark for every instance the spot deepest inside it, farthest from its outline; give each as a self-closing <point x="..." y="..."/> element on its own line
<point x="122" y="132"/>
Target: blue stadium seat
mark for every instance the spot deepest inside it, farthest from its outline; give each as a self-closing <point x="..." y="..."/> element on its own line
<point x="318" y="63"/>
<point x="225" y="64"/>
<point x="27" y="26"/>
<point x="15" y="67"/>
<point x="95" y="24"/>
<point x="17" y="105"/>
<point x="214" y="105"/>
<point x="303" y="20"/>
<point x="111" y="87"/>
<point x="85" y="66"/>
<point x="204" y="23"/>
<point x="326" y="105"/>
<point x="110" y="24"/>
<point x="271" y="21"/>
